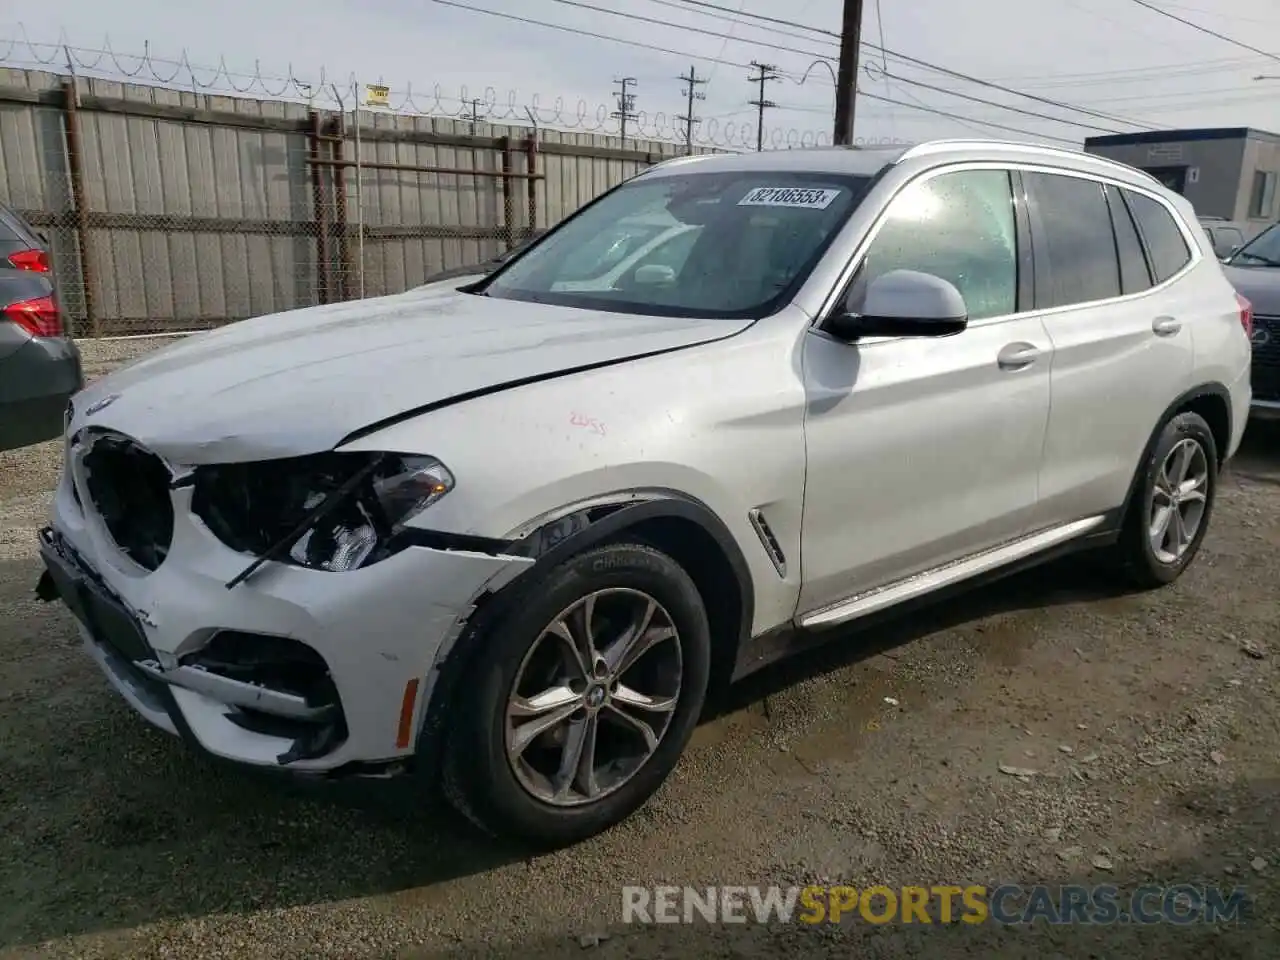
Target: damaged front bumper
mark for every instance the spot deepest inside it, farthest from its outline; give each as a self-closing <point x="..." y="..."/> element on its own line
<point x="312" y="671"/>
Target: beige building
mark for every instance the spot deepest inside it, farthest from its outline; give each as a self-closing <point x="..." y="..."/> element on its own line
<point x="1227" y="172"/>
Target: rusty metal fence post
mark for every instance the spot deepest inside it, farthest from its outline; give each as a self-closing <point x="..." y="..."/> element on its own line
<point x="79" y="208"/>
<point x="317" y="149"/>
<point x="340" y="163"/>
<point x="531" y="165"/>
<point x="508" y="193"/>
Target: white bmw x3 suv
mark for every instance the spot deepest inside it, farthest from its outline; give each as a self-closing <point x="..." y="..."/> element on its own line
<point x="511" y="534"/>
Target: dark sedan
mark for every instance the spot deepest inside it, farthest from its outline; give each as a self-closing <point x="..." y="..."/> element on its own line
<point x="1254" y="270"/>
<point x="39" y="364"/>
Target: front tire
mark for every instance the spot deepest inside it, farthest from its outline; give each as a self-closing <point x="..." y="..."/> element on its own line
<point x="1173" y="501"/>
<point x="580" y="698"/>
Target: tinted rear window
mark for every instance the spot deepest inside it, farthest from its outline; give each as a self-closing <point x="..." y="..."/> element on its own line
<point x="1078" y="242"/>
<point x="1166" y="245"/>
<point x="1135" y="276"/>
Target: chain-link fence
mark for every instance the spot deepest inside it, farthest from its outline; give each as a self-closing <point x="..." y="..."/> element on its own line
<point x="171" y="211"/>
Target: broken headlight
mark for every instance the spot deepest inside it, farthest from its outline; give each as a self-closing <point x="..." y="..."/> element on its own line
<point x="331" y="511"/>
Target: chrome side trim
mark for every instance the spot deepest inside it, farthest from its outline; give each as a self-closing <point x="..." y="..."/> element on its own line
<point x="236" y="692"/>
<point x="768" y="541"/>
<point x="859" y="605"/>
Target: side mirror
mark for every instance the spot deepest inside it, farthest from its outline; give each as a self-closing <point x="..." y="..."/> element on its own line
<point x="904" y="303"/>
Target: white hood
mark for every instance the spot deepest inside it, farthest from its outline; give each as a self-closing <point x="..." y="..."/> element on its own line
<point x="300" y="382"/>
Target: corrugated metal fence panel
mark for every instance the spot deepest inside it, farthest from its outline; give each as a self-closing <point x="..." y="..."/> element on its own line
<point x="195" y="222"/>
<point x="33" y="174"/>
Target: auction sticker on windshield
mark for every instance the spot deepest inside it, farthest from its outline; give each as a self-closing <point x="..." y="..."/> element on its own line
<point x="789" y="197"/>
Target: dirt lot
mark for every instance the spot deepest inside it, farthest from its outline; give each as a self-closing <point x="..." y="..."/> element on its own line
<point x="1151" y="724"/>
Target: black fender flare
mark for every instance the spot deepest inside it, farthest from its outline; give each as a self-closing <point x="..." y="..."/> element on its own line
<point x="593" y="523"/>
<point x="610" y="520"/>
<point x="1210" y="389"/>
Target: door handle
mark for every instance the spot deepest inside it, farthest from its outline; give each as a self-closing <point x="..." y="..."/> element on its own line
<point x="1017" y="356"/>
<point x="1165" y="326"/>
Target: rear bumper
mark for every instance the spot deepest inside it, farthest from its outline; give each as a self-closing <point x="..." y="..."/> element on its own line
<point x="36" y="381"/>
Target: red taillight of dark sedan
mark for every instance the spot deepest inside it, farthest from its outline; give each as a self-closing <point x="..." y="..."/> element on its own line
<point x="39" y="317"/>
<point x="37" y="261"/>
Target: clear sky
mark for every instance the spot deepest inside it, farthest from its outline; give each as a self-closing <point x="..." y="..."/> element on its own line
<point x="1112" y="57"/>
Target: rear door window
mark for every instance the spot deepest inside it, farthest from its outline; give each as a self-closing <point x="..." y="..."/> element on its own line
<point x="1075" y="238"/>
<point x="1135" y="274"/>
<point x="1166" y="246"/>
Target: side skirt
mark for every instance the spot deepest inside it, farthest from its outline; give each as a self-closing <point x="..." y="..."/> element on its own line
<point x="869" y="610"/>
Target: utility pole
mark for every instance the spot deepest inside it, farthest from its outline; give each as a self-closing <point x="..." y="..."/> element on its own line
<point x="692" y="93"/>
<point x="626" y="111"/>
<point x="764" y="73"/>
<point x="847" y="75"/>
<point x="474" y="116"/>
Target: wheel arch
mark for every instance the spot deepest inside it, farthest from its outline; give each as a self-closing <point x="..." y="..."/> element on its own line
<point x="1210" y="400"/>
<point x="680" y="525"/>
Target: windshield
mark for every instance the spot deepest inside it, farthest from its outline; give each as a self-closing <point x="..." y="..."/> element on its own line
<point x="1262" y="251"/>
<point x="696" y="244"/>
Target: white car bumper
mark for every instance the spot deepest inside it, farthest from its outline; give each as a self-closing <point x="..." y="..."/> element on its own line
<point x="379" y="632"/>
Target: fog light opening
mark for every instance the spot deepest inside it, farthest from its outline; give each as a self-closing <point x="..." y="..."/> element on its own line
<point x="285" y="666"/>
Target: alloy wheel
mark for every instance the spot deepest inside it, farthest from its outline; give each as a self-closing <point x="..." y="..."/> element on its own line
<point x="1179" y="497"/>
<point x="593" y="697"/>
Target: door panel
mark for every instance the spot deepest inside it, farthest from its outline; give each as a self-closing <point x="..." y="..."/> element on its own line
<point x="925" y="450"/>
<point x="921" y="451"/>
<point x="1117" y="363"/>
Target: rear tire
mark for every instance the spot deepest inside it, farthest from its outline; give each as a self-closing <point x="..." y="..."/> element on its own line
<point x="634" y="711"/>
<point x="1172" y="504"/>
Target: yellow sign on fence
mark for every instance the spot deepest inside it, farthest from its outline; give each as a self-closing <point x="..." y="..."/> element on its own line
<point x="376" y="95"/>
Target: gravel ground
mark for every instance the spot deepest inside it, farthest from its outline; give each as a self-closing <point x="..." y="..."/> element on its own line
<point x="1150" y="723"/>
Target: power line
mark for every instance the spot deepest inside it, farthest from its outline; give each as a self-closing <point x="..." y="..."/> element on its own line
<point x="1213" y="33"/>
<point x="666" y="23"/>
<point x="959" y="118"/>
<point x="584" y="33"/>
<point x="952" y="116"/>
<point x="733" y="18"/>
<point x="765" y="72"/>
<point x="733" y="63"/>
<point x="692" y="94"/>
<point x="1225" y="16"/>
<point x="990" y="84"/>
<point x="898" y="55"/>
<point x="1002" y="106"/>
<point x="758" y="16"/>
<point x="626" y="105"/>
<point x="1093" y="78"/>
<point x="967" y="122"/>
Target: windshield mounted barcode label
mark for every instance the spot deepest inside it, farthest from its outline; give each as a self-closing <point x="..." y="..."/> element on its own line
<point x="789" y="197"/>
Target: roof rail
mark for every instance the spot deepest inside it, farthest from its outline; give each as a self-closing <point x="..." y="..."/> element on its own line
<point x="923" y="149"/>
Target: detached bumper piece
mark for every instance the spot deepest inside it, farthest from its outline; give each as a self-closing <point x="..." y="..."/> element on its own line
<point x="273" y="686"/>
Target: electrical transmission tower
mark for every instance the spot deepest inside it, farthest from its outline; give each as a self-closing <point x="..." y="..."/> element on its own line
<point x="474" y="116"/>
<point x="626" y="111"/>
<point x="765" y="72"/>
<point x="692" y="93"/>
